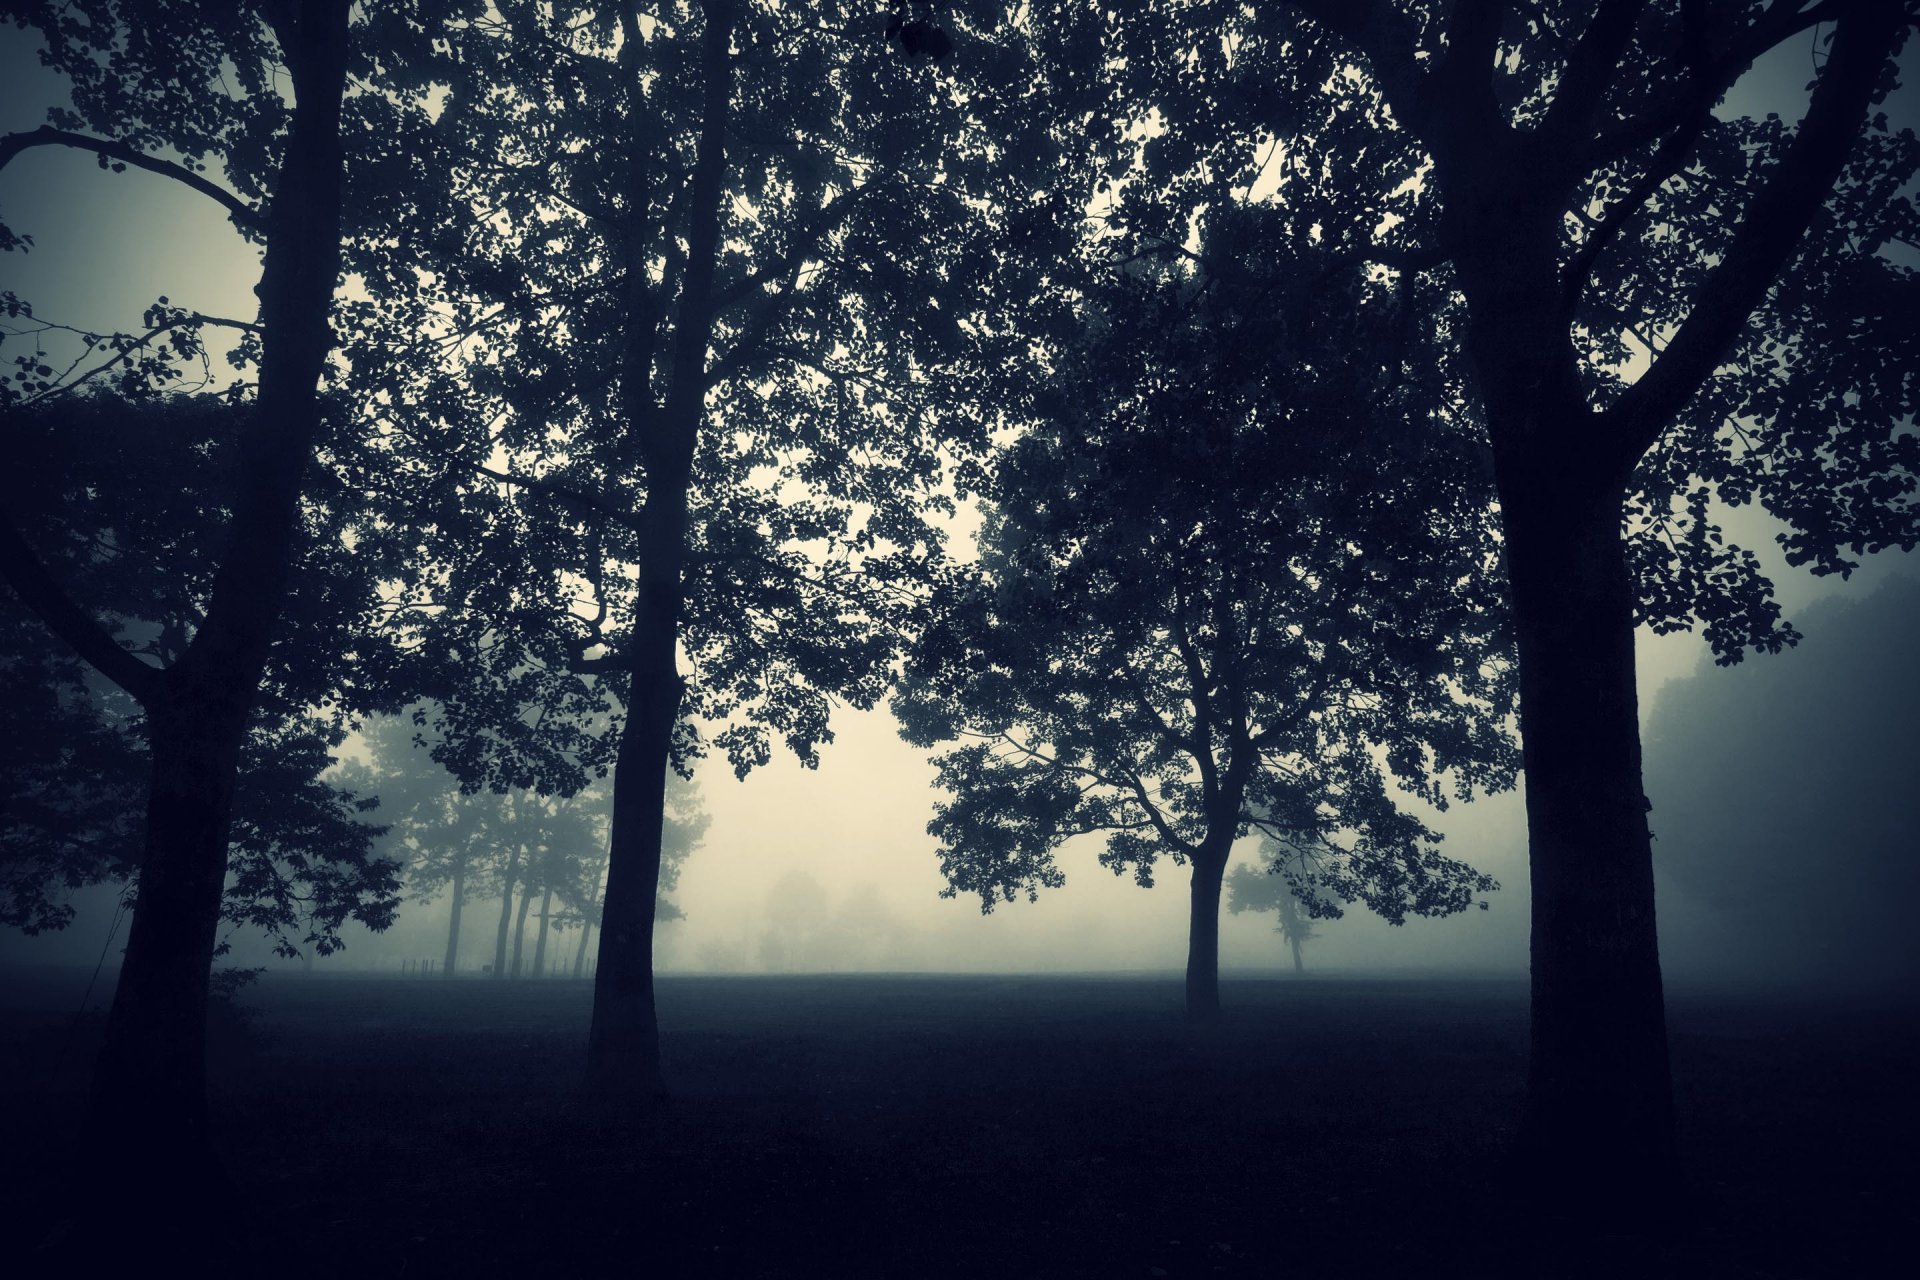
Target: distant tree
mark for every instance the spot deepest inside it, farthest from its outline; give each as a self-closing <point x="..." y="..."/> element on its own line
<point x="1266" y="888"/>
<point x="1779" y="884"/>
<point x="872" y="938"/>
<point x="797" y="924"/>
<point x="686" y="268"/>
<point x="1664" y="303"/>
<point x="1204" y="606"/>
<point x="467" y="843"/>
<point x="440" y="834"/>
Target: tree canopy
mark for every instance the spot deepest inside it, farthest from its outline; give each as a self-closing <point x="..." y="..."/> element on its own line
<point x="122" y="499"/>
<point x="1226" y="582"/>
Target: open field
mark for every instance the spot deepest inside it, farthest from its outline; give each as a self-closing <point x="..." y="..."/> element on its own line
<point x="980" y="1126"/>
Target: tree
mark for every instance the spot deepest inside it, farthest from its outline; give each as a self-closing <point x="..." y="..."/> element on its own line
<point x="675" y="399"/>
<point x="302" y="850"/>
<point x="1664" y="305"/>
<point x="1204" y="606"/>
<point x="1268" y="889"/>
<point x="208" y="84"/>
<point x="469" y="843"/>
<point x="798" y="924"/>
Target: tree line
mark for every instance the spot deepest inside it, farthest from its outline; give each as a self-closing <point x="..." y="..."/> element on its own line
<point x="1337" y="386"/>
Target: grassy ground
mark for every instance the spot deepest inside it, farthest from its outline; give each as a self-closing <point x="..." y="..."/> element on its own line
<point x="978" y="1126"/>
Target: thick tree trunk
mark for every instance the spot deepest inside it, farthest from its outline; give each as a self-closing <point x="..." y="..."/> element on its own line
<point x="520" y="929"/>
<point x="1599" y="1126"/>
<point x="1600" y="1101"/>
<point x="580" y="953"/>
<point x="149" y="1088"/>
<point x="540" y="939"/>
<point x="453" y="921"/>
<point x="1203" y="936"/>
<point x="506" y="914"/>
<point x="1299" y="965"/>
<point x="149" y="1084"/>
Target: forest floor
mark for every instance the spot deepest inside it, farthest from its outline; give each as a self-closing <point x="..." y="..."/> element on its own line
<point x="854" y="1126"/>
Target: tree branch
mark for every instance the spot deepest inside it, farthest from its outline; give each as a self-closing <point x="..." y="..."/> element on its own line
<point x="1384" y="38"/>
<point x="1590" y="69"/>
<point x="27" y="574"/>
<point x="1707" y="81"/>
<point x="1776" y="219"/>
<point x="565" y="492"/>
<point x="1666" y="162"/>
<point x="1461" y="86"/>
<point x="244" y="215"/>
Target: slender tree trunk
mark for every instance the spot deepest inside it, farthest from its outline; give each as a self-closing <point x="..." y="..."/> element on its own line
<point x="623" y="1046"/>
<point x="580" y="952"/>
<point x="540" y="939"/>
<point x="1299" y="965"/>
<point x="1203" y="936"/>
<point x="520" y="927"/>
<point x="453" y="923"/>
<point x="1600" y="1101"/>
<point x="149" y="1087"/>
<point x="506" y="914"/>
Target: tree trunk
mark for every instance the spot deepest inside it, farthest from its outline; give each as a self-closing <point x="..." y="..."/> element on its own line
<point x="520" y="928"/>
<point x="540" y="939"/>
<point x="1600" y="1100"/>
<point x="1299" y="965"/>
<point x="623" y="1046"/>
<point x="453" y="922"/>
<point x="1203" y="936"/>
<point x="580" y="953"/>
<point x="149" y="1084"/>
<point x="149" y="1087"/>
<point x="506" y="914"/>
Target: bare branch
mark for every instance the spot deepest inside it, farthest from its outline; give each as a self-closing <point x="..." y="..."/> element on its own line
<point x="244" y="215"/>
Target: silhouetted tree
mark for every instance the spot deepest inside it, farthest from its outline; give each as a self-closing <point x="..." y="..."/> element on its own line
<point x="688" y="264"/>
<point x="1213" y="596"/>
<point x="1664" y="304"/>
<point x="1269" y="888"/>
<point x="250" y="98"/>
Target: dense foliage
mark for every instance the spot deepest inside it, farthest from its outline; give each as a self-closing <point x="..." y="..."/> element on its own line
<point x="122" y="499"/>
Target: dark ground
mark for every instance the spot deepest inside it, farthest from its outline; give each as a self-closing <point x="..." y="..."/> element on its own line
<point x="976" y="1126"/>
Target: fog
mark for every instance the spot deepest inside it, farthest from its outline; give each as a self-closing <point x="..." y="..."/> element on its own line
<point x="831" y="870"/>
